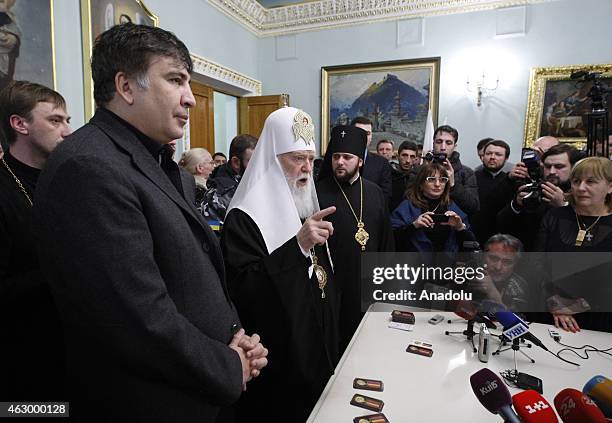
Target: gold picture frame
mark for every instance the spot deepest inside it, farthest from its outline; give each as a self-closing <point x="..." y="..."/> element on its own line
<point x="556" y="103"/>
<point x="413" y="85"/>
<point x="98" y="16"/>
<point x="32" y="54"/>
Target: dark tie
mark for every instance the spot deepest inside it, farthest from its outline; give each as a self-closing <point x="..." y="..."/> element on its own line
<point x="171" y="169"/>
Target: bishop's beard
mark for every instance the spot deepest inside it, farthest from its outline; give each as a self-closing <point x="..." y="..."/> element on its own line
<point x="303" y="196"/>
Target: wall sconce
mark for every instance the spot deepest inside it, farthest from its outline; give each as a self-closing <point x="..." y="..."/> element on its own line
<point x="482" y="85"/>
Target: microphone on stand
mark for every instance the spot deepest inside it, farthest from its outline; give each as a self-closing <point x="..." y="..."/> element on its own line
<point x="515" y="327"/>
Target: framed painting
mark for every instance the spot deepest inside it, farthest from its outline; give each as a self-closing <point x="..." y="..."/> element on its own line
<point x="396" y="96"/>
<point x="557" y="104"/>
<point x="27" y="47"/>
<point x="96" y="17"/>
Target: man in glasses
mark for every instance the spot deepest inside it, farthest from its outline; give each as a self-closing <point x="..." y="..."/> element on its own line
<point x="502" y="284"/>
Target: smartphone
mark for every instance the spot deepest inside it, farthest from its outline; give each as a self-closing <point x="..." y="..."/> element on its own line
<point x="439" y="218"/>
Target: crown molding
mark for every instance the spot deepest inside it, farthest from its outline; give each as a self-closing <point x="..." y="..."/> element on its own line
<point x="208" y="68"/>
<point x="324" y="14"/>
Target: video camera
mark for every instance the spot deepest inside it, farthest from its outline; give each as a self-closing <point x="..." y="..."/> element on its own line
<point x="531" y="159"/>
<point x="435" y="157"/>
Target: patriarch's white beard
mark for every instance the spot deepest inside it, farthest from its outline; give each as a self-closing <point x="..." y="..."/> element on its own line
<point x="302" y="196"/>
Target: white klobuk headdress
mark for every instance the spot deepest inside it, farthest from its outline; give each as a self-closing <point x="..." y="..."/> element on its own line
<point x="263" y="192"/>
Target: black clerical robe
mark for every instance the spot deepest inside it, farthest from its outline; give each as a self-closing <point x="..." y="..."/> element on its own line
<point x="31" y="358"/>
<point x="345" y="251"/>
<point x="276" y="298"/>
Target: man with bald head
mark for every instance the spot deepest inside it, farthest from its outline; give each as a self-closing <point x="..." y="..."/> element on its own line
<point x="543" y="144"/>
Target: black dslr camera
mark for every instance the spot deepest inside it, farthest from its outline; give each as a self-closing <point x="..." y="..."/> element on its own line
<point x="531" y="159"/>
<point x="435" y="157"/>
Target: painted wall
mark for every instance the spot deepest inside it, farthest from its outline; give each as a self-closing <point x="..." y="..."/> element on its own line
<point x="557" y="33"/>
<point x="206" y="31"/>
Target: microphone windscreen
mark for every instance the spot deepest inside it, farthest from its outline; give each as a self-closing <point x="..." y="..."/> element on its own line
<point x="533" y="408"/>
<point x="575" y="407"/>
<point x="466" y="310"/>
<point x="599" y="388"/>
<point x="490" y="390"/>
<point x="508" y="319"/>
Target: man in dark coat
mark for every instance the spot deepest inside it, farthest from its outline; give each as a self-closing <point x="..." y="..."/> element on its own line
<point x="279" y="272"/>
<point x="137" y="274"/>
<point x="495" y="189"/>
<point x="375" y="168"/>
<point x="34" y="120"/>
<point x="361" y="221"/>
<point x="464" y="189"/>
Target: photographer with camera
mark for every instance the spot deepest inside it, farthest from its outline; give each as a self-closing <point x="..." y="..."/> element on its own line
<point x="462" y="181"/>
<point x="522" y="216"/>
<point x="428" y="220"/>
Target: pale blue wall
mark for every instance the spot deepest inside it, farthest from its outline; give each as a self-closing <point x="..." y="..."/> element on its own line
<point x="556" y="34"/>
<point x="226" y="121"/>
<point x="206" y="31"/>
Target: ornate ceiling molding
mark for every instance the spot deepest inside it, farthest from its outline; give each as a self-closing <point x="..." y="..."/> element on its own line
<point x="221" y="73"/>
<point x="320" y="14"/>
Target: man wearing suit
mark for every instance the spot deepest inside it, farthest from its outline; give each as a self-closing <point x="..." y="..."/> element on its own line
<point x="375" y="168"/>
<point x="137" y="275"/>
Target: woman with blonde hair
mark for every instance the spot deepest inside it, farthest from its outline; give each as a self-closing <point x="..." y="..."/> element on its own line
<point x="200" y="164"/>
<point x="585" y="225"/>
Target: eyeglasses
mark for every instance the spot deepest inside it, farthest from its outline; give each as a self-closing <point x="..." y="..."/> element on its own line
<point x="433" y="179"/>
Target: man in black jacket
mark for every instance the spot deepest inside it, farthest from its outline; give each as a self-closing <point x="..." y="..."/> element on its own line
<point x="464" y="190"/>
<point x="406" y="155"/>
<point x="137" y="274"/>
<point x="34" y="121"/>
<point x="375" y="168"/>
<point x="495" y="189"/>
<point x="522" y="218"/>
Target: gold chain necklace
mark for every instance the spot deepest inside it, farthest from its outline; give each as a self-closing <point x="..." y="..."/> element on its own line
<point x="19" y="184"/>
<point x="584" y="233"/>
<point x="361" y="236"/>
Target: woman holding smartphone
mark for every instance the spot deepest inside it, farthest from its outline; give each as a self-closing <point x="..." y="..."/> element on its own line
<point x="428" y="220"/>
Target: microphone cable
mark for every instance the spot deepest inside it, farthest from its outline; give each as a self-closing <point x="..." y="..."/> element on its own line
<point x="563" y="359"/>
<point x="585" y="348"/>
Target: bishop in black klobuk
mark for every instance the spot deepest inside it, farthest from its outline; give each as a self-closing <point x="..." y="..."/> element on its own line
<point x="361" y="221"/>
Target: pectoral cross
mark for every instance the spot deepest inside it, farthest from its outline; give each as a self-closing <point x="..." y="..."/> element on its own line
<point x="343" y="134"/>
<point x="589" y="237"/>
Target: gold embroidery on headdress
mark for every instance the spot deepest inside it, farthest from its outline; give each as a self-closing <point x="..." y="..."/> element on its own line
<point x="303" y="127"/>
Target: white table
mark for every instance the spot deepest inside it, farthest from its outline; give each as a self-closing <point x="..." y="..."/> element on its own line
<point x="437" y="389"/>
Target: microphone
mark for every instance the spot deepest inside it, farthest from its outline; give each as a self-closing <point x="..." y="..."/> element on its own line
<point x="599" y="388"/>
<point x="533" y="408"/>
<point x="467" y="310"/>
<point x="493" y="394"/>
<point x="575" y="407"/>
<point x="515" y="327"/>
